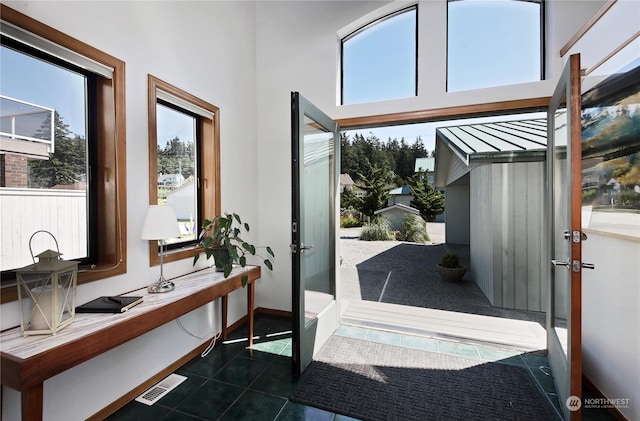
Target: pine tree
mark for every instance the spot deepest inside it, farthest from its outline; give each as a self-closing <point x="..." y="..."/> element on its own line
<point x="428" y="201"/>
<point x="67" y="164"/>
<point x="376" y="187"/>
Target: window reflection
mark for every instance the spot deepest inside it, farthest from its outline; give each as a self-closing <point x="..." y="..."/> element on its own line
<point x="611" y="154"/>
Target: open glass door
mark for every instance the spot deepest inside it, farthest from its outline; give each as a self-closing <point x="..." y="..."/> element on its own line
<point x="564" y="177"/>
<point x="315" y="173"/>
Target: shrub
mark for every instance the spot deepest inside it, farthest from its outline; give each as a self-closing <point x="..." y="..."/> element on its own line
<point x="349" y="221"/>
<point x="379" y="230"/>
<point x="450" y="260"/>
<point x="414" y="230"/>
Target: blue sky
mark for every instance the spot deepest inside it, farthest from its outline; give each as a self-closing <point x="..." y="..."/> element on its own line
<point x="31" y="80"/>
<point x="377" y="63"/>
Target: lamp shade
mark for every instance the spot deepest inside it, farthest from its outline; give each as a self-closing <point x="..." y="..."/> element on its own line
<point x="161" y="223"/>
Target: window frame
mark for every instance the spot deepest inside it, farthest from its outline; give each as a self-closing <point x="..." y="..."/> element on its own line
<point x="198" y="169"/>
<point x="91" y="136"/>
<point x="110" y="127"/>
<point x="542" y="54"/>
<point x="372" y="24"/>
<point x="208" y="160"/>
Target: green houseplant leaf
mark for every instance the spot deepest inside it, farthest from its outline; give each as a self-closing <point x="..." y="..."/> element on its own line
<point x="224" y="232"/>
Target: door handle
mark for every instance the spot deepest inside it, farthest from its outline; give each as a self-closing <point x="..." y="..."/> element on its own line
<point x="303" y="247"/>
<point x="565" y="263"/>
<point x="588" y="266"/>
<point x="294" y="248"/>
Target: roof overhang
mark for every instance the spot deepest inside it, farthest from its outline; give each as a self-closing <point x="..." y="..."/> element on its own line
<point x="461" y="148"/>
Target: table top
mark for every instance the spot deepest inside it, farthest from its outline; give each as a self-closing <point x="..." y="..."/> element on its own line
<point x="93" y="333"/>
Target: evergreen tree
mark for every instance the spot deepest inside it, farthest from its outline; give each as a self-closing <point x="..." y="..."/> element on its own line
<point x="428" y="201"/>
<point x="348" y="199"/>
<point x="177" y="157"/>
<point x="67" y="164"/>
<point x="376" y="187"/>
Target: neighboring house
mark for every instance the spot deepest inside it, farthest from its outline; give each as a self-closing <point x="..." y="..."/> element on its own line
<point x="395" y="214"/>
<point x="426" y="165"/>
<point x="400" y="196"/>
<point x="170" y="181"/>
<point x="181" y="199"/>
<point x="346" y="182"/>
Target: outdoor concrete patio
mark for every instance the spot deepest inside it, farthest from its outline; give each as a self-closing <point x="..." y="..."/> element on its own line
<point x="380" y="278"/>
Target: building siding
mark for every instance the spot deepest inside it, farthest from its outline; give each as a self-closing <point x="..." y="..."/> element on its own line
<point x="507" y="234"/>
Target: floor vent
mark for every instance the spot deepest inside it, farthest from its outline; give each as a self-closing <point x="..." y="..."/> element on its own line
<point x="165" y="386"/>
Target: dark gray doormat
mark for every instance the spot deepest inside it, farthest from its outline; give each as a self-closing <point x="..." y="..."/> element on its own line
<point x="374" y="381"/>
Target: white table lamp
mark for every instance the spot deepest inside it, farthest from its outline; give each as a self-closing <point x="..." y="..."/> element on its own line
<point x="161" y="223"/>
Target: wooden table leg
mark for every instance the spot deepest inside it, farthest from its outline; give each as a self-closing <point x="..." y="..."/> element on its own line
<point x="250" y="306"/>
<point x="225" y="305"/>
<point x="31" y="401"/>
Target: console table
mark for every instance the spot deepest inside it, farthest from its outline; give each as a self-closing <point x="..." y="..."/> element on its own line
<point x="26" y="362"/>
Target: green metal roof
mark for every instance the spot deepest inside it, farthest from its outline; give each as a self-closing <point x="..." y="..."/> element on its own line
<point x="509" y="141"/>
<point x="425" y="164"/>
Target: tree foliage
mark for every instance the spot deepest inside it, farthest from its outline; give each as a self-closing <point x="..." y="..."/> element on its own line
<point x="349" y="199"/>
<point x="428" y="201"/>
<point x="66" y="165"/>
<point x="176" y="157"/>
<point x="376" y="186"/>
<point x="358" y="154"/>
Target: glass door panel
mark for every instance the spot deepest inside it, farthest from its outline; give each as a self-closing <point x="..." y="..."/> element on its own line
<point x="564" y="316"/>
<point x="315" y="175"/>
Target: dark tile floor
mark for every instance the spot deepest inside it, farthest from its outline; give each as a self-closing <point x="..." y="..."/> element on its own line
<point x="236" y="383"/>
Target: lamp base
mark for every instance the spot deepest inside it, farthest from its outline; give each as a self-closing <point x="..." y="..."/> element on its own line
<point x="161" y="285"/>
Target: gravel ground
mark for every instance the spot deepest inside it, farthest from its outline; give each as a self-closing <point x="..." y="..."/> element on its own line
<point x="405" y="273"/>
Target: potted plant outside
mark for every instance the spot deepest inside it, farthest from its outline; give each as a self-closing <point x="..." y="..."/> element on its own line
<point x="450" y="268"/>
<point x="221" y="239"/>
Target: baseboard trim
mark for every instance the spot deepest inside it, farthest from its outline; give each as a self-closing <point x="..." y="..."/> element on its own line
<point x="273" y="312"/>
<point x="615" y="413"/>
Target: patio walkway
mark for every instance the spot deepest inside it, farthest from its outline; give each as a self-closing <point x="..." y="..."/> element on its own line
<point x="380" y="278"/>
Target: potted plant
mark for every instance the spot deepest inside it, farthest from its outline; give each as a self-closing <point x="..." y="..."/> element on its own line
<point x="221" y="238"/>
<point x="450" y="268"/>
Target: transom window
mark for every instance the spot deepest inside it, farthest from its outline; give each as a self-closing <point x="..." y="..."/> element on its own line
<point x="493" y="43"/>
<point x="379" y="60"/>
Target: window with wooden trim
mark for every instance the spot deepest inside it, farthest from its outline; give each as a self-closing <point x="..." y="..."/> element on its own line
<point x="494" y="43"/>
<point x="61" y="149"/>
<point x="184" y="163"/>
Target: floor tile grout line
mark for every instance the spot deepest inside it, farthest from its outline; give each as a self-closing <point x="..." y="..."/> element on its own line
<point x="543" y="391"/>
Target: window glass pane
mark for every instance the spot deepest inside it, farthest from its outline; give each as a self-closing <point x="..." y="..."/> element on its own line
<point x="177" y="168"/>
<point x="379" y="61"/>
<point x="44" y="160"/>
<point x="493" y="43"/>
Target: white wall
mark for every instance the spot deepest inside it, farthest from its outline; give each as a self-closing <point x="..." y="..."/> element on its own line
<point x="611" y="318"/>
<point x="297" y="50"/>
<point x="245" y="58"/>
<point x="207" y="49"/>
